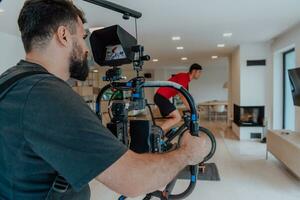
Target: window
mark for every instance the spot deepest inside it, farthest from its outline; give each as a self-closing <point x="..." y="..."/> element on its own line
<point x="289" y="62"/>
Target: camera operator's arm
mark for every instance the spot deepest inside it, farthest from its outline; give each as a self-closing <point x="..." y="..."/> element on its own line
<point x="137" y="174"/>
<point x="184" y="101"/>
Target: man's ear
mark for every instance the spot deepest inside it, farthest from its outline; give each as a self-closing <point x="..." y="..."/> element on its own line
<point x="63" y="36"/>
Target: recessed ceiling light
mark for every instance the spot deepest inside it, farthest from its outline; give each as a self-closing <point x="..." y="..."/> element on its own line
<point x="221" y="45"/>
<point x="214" y="57"/>
<point x="1" y="10"/>
<point x="175" y="38"/>
<point x="95" y="70"/>
<point x="179" y="48"/>
<point x="92" y="29"/>
<point x="184" y="58"/>
<point x="155" y="60"/>
<point x="227" y="34"/>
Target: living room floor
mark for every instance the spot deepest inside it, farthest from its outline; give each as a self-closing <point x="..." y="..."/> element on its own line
<point x="244" y="171"/>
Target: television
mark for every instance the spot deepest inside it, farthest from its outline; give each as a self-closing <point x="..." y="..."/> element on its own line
<point x="294" y="76"/>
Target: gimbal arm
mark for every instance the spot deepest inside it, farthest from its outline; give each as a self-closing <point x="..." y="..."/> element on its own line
<point x="194" y="128"/>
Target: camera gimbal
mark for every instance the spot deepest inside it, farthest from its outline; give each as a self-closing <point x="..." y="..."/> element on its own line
<point x="114" y="47"/>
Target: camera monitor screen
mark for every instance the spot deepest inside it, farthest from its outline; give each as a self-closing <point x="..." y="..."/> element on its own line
<point x="115" y="52"/>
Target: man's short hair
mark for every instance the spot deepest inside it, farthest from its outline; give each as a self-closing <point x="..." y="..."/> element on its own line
<point x="195" y="66"/>
<point x="40" y="19"/>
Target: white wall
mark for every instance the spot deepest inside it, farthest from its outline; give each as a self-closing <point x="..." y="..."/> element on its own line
<point x="286" y="41"/>
<point x="276" y="88"/>
<point x="11" y="51"/>
<point x="253" y="85"/>
<point x="210" y="85"/>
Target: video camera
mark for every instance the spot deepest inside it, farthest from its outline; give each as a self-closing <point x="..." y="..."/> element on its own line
<point x="114" y="47"/>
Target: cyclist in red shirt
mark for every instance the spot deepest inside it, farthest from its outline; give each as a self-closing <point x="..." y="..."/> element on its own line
<point x="163" y="95"/>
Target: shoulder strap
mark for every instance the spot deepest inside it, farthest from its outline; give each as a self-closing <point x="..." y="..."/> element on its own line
<point x="59" y="185"/>
<point x="18" y="76"/>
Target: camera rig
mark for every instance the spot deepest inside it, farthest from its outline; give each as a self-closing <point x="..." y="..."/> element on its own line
<point x="114" y="47"/>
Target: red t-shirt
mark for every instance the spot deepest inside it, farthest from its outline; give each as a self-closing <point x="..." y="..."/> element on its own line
<point x="181" y="78"/>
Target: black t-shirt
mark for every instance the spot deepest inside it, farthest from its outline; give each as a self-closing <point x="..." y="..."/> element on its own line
<point x="45" y="129"/>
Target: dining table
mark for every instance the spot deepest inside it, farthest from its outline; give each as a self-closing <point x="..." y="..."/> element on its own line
<point x="210" y="104"/>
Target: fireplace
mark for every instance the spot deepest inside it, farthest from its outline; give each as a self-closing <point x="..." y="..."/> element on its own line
<point x="249" y="115"/>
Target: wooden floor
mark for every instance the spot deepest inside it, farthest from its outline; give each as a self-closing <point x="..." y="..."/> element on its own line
<point x="244" y="171"/>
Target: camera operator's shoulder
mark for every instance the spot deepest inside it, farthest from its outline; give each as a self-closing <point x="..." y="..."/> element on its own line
<point x="49" y="85"/>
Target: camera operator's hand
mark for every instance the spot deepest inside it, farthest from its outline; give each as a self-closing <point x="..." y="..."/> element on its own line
<point x="193" y="147"/>
<point x="144" y="173"/>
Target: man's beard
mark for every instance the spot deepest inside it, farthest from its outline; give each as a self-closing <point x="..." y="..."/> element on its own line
<point x="79" y="69"/>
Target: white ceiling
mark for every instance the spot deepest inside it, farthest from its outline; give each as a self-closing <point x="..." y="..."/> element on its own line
<point x="200" y="23"/>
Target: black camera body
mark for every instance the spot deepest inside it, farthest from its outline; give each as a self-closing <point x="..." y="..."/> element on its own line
<point x="143" y="136"/>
